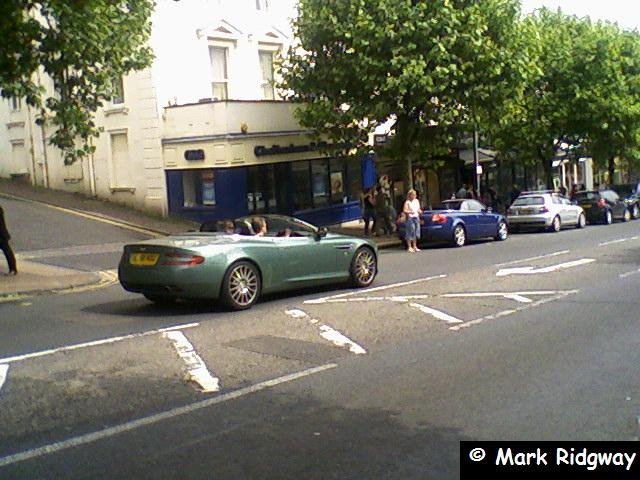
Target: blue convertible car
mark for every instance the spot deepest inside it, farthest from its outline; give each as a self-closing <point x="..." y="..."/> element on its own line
<point x="460" y="220"/>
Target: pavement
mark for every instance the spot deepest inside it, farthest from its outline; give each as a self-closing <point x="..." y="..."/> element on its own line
<point x="34" y="277"/>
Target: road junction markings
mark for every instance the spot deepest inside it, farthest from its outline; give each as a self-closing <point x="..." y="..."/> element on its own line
<point x="327" y="332"/>
<point x="4" y="369"/>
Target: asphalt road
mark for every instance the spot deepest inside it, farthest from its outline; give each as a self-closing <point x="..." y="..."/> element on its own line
<point x="534" y="338"/>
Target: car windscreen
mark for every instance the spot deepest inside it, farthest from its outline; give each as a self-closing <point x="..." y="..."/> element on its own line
<point x="586" y="196"/>
<point x="524" y="201"/>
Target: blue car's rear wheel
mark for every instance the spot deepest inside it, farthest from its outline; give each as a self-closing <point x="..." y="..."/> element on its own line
<point x="503" y="231"/>
<point x="241" y="286"/>
<point x="459" y="236"/>
<point x="364" y="267"/>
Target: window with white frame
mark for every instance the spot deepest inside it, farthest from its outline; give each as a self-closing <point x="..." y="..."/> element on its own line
<point x="118" y="91"/>
<point x="16" y="104"/>
<point x="120" y="167"/>
<point x="266" y="68"/>
<point x="219" y="59"/>
<point x="262" y="5"/>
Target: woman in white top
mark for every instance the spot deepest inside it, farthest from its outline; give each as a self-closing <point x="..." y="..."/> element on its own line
<point x="412" y="211"/>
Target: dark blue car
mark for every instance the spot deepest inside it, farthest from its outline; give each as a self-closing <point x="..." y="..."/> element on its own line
<point x="460" y="220"/>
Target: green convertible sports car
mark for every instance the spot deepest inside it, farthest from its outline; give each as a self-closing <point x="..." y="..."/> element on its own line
<point x="239" y="264"/>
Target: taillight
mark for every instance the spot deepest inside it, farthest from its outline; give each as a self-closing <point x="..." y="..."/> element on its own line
<point x="602" y="203"/>
<point x="185" y="259"/>
<point x="438" y="218"/>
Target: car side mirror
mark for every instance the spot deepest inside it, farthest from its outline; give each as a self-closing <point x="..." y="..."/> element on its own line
<point x="322" y="232"/>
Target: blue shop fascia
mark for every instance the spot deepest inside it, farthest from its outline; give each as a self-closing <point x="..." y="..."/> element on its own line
<point x="216" y="177"/>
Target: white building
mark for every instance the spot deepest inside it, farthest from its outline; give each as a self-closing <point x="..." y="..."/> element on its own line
<point x="202" y="133"/>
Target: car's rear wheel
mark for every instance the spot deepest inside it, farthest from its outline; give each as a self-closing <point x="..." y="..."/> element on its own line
<point x="608" y="217"/>
<point x="459" y="236"/>
<point x="364" y="267"/>
<point x="241" y="286"/>
<point x="582" y="221"/>
<point x="160" y="299"/>
<point x="627" y="215"/>
<point x="556" y="225"/>
<point x="503" y="231"/>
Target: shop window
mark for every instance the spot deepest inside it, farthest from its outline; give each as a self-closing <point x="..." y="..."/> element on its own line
<point x="261" y="189"/>
<point x="301" y="182"/>
<point x="320" y="183"/>
<point x="338" y="174"/>
<point x="199" y="188"/>
<point x="354" y="178"/>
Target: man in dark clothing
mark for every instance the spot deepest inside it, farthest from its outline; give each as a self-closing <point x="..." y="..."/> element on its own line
<point x="4" y="245"/>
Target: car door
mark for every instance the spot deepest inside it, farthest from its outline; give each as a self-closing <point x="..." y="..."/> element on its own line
<point x="471" y="218"/>
<point x="568" y="212"/>
<point x="485" y="222"/>
<point x="617" y="204"/>
<point x="306" y="258"/>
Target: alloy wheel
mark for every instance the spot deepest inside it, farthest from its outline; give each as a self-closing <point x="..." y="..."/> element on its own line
<point x="241" y="286"/>
<point x="364" y="267"/>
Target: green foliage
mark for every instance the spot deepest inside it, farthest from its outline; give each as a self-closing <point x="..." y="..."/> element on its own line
<point x="81" y="46"/>
<point x="584" y="93"/>
<point x="424" y="63"/>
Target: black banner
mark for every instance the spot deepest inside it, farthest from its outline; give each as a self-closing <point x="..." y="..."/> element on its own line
<point x="567" y="460"/>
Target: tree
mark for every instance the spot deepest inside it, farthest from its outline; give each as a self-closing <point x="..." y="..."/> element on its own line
<point x="430" y="63"/>
<point x="82" y="47"/>
<point x="585" y="93"/>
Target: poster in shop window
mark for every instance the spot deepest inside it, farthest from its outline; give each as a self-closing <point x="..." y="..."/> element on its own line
<point x="208" y="188"/>
<point x="336" y="183"/>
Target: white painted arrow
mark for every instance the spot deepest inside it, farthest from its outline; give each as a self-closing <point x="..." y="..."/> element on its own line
<point x="3" y="374"/>
<point x="531" y="270"/>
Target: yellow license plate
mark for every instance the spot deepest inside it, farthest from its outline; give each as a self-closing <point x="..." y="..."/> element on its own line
<point x="144" y="259"/>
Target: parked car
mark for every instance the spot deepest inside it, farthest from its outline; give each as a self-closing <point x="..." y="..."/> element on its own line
<point x="603" y="206"/>
<point x="544" y="210"/>
<point x="238" y="267"/>
<point x="629" y="193"/>
<point x="457" y="221"/>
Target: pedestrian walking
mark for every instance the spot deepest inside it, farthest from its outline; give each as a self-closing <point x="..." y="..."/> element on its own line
<point x="412" y="211"/>
<point x="5" y="246"/>
<point x="383" y="220"/>
<point x="368" y="210"/>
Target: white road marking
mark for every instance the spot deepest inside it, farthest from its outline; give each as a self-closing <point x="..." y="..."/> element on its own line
<point x="436" y="313"/>
<point x="517" y="296"/>
<point x="513" y="262"/>
<point x="532" y="270"/>
<point x="94" y="343"/>
<point x="159" y="417"/>
<point x="374" y="289"/>
<point x="628" y="274"/>
<point x="327" y="332"/>
<point x="611" y="242"/>
<point x="4" y="369"/>
<point x="196" y="369"/>
<point x="504" y="313"/>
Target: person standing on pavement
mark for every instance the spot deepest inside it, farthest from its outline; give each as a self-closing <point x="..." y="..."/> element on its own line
<point x="412" y="211"/>
<point x="368" y="210"/>
<point x="383" y="220"/>
<point x="5" y="246"/>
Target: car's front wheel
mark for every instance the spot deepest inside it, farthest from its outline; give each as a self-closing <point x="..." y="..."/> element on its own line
<point x="241" y="286"/>
<point x="503" y="231"/>
<point x="627" y="215"/>
<point x="582" y="221"/>
<point x="459" y="236"/>
<point x="364" y="267"/>
<point x="635" y="211"/>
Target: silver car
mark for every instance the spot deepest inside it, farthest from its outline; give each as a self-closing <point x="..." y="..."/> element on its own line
<point x="544" y="210"/>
